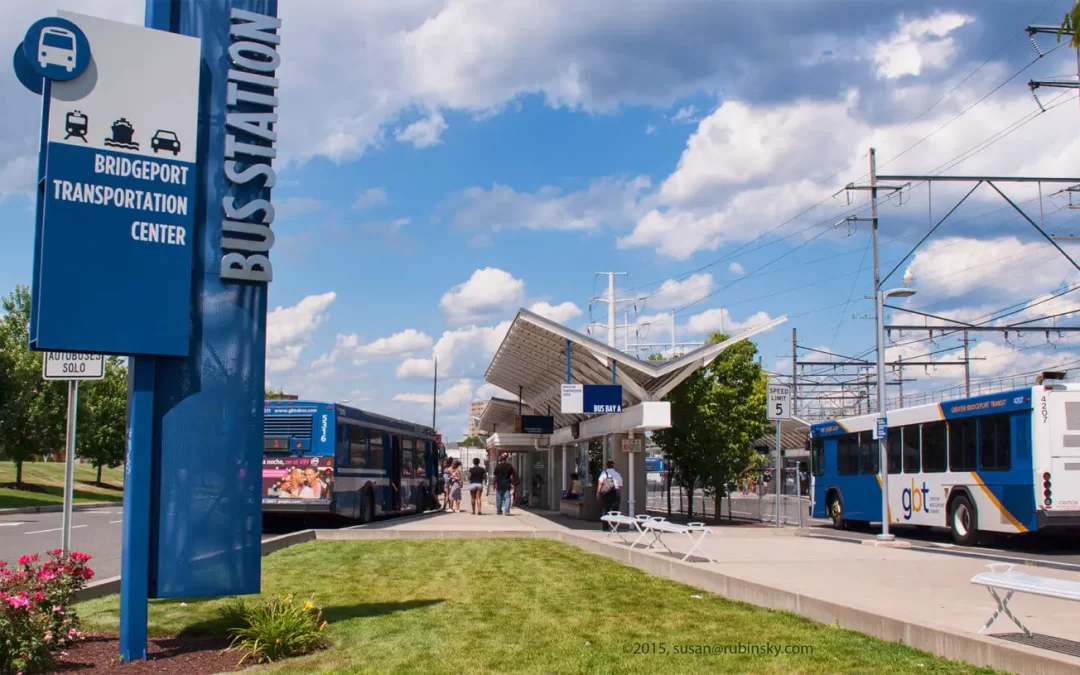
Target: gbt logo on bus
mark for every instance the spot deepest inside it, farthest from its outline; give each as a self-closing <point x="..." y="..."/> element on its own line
<point x="914" y="500"/>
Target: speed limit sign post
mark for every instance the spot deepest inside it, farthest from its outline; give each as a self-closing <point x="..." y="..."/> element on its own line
<point x="778" y="408"/>
<point x="71" y="367"/>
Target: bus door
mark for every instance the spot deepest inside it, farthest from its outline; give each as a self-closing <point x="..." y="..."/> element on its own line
<point x="393" y="473"/>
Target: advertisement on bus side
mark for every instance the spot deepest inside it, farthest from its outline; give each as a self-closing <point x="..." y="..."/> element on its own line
<point x="287" y="479"/>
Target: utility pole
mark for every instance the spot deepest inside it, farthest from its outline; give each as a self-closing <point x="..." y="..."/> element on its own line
<point x="1032" y="31"/>
<point x="435" y="393"/>
<point x="672" y="333"/>
<point x="794" y="379"/>
<point x="900" y="377"/>
<point x="613" y="305"/>
<point x="967" y="367"/>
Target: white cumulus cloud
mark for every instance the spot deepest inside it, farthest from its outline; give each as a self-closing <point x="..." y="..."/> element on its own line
<point x="424" y="133"/>
<point x="675" y="293"/>
<point x="560" y="313"/>
<point x="289" y="330"/>
<point x="488" y="294"/>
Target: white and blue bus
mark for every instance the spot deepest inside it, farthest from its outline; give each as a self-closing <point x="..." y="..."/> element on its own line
<point x="1007" y="462"/>
<point x="327" y="458"/>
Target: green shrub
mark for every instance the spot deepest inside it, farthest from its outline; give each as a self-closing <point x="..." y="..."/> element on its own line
<point x="234" y="613"/>
<point x="278" y="629"/>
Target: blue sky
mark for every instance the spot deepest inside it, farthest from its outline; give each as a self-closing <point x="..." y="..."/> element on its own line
<point x="447" y="162"/>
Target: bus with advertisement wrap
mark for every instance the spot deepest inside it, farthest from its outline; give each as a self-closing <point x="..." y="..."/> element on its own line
<point x="1007" y="462"/>
<point x="328" y="458"/>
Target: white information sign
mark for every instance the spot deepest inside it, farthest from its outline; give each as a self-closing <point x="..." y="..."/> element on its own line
<point x="631" y="445"/>
<point x="573" y="399"/>
<point x="778" y="406"/>
<point x="69" y="366"/>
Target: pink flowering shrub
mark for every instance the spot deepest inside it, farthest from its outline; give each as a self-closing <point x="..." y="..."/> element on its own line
<point x="36" y="619"/>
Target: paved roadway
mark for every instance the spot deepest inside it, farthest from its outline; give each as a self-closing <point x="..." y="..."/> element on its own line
<point x="1054" y="550"/>
<point x="94" y="531"/>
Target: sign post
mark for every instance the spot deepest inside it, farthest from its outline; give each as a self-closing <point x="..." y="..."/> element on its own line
<point x="71" y="367"/>
<point x="778" y="408"/>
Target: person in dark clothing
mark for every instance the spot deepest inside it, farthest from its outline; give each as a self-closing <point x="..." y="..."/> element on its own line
<point x="477" y="478"/>
<point x="505" y="480"/>
<point x="607" y="489"/>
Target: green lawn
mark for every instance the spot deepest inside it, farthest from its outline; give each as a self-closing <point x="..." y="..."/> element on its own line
<point x="46" y="484"/>
<point x="523" y="605"/>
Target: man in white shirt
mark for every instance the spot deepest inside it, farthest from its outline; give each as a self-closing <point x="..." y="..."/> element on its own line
<point x="608" y="486"/>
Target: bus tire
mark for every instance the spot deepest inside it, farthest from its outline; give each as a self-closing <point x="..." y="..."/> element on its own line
<point x="367" y="508"/>
<point x="834" y="508"/>
<point x="963" y="521"/>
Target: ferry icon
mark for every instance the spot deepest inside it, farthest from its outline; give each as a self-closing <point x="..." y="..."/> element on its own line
<point x="122" y="134"/>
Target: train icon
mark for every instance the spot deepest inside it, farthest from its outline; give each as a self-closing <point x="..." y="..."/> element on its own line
<point x="76" y="124"/>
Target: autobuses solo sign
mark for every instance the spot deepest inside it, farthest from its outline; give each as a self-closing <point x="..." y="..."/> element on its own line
<point x="116" y="202"/>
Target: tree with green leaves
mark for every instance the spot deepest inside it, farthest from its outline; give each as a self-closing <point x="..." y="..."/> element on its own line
<point x="716" y="415"/>
<point x="102" y="417"/>
<point x="32" y="410"/>
<point x="738" y="418"/>
<point x="472" y="442"/>
<point x="273" y="394"/>
<point x="1071" y="24"/>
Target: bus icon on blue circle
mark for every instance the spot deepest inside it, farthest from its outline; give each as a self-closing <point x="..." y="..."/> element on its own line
<point x="56" y="49"/>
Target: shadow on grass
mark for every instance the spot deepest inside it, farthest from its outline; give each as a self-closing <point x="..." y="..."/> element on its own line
<point x="102" y="485"/>
<point x="222" y="625"/>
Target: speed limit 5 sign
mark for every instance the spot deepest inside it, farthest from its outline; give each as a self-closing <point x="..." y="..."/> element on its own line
<point x="778" y="405"/>
<point x="72" y="366"/>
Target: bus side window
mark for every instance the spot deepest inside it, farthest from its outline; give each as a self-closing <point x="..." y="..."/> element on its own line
<point x="911" y="449"/>
<point x="358" y="447"/>
<point x="995" y="443"/>
<point x="868" y="454"/>
<point x="963" y="446"/>
<point x="817" y="456"/>
<point x="847" y="455"/>
<point x="893" y="449"/>
<point x="934" y="444"/>
<point x="341" y="447"/>
<point x="375" y="450"/>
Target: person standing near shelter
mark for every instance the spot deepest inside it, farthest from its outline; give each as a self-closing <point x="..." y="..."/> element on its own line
<point x="505" y="479"/>
<point x="446" y="484"/>
<point x="477" y="477"/>
<point x="608" y="486"/>
<point x="455" y="487"/>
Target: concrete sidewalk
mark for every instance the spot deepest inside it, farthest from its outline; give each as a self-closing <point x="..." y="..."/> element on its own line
<point x="924" y="599"/>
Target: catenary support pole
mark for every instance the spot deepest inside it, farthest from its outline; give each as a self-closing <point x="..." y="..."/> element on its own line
<point x="879" y="337"/>
<point x="69" y="463"/>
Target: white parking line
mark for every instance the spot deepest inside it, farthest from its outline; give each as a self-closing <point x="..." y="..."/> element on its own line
<point x="55" y="529"/>
<point x="14" y="524"/>
<point x="113" y="522"/>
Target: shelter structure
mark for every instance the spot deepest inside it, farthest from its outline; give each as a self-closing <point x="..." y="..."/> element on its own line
<point x="537" y="357"/>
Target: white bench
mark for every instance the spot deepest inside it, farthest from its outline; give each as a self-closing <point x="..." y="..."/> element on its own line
<point x="1002" y="577"/>
<point x="657" y="527"/>
<point x="615" y="519"/>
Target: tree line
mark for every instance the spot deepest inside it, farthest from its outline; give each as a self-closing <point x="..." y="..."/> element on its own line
<point x="33" y="411"/>
<point x="716" y="415"/>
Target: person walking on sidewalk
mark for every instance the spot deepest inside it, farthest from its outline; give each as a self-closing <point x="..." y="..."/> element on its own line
<point x="607" y="489"/>
<point x="477" y="478"/>
<point x="455" y="487"/>
<point x="505" y="479"/>
<point x="445" y="483"/>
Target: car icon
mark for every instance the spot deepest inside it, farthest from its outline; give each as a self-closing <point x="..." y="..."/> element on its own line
<point x="165" y="141"/>
<point x="56" y="47"/>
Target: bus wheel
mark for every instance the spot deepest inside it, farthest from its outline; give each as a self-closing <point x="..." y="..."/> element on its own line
<point x="963" y="521"/>
<point x="836" y="512"/>
<point x="367" y="511"/>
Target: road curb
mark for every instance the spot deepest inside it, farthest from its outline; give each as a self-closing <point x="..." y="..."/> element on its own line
<point x="57" y="508"/>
